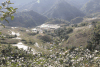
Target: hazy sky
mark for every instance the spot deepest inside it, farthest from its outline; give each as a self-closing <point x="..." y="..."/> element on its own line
<point x="19" y="2"/>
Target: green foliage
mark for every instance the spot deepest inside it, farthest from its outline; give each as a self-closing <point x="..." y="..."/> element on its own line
<point x="9" y="55"/>
<point x="32" y="34"/>
<point x="94" y="40"/>
<point x="69" y="30"/>
<point x="6" y="20"/>
<point x="76" y="20"/>
<point x="28" y="41"/>
<point x="0" y="7"/>
<point x="12" y="17"/>
<point x="45" y="38"/>
<point x="3" y="15"/>
<point x="0" y="33"/>
<point x="66" y="37"/>
<point x="61" y="61"/>
<point x="8" y="13"/>
<point x="83" y="24"/>
<point x="74" y="25"/>
<point x="11" y="36"/>
<point x="63" y="32"/>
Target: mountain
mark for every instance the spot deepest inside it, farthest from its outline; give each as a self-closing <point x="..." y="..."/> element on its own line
<point x="42" y="6"/>
<point x="77" y="3"/>
<point x="26" y="19"/>
<point x="63" y="10"/>
<point x="39" y="7"/>
<point x="57" y="21"/>
<point x="91" y="7"/>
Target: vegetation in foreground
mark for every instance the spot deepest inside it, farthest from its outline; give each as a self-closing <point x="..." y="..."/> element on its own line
<point x="14" y="57"/>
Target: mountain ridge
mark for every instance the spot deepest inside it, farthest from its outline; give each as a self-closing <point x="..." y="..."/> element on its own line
<point x="66" y="11"/>
<point x="26" y="19"/>
<point x="92" y="6"/>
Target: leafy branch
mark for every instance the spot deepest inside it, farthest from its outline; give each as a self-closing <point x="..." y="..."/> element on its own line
<point x="8" y="13"/>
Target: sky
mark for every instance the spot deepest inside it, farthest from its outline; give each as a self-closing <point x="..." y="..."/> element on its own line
<point x="38" y="1"/>
<point x="20" y="2"/>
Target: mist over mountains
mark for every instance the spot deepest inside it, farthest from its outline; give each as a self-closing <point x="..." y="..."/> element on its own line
<point x="40" y="7"/>
<point x="63" y="10"/>
<point x="92" y="6"/>
<point x="46" y="4"/>
<point x="77" y="3"/>
<point x="26" y="19"/>
<point x="33" y="11"/>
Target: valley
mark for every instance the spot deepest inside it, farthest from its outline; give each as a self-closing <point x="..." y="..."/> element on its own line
<point x="51" y="33"/>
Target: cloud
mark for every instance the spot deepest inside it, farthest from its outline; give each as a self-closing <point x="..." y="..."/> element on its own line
<point x="38" y="1"/>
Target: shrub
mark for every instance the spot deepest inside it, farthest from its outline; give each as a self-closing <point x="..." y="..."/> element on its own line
<point x="74" y="25"/>
<point x="89" y="46"/>
<point x="66" y="37"/>
<point x="83" y="24"/>
<point x="95" y="37"/>
<point x="32" y="34"/>
<point x="46" y="38"/>
<point x="28" y="41"/>
<point x="69" y="30"/>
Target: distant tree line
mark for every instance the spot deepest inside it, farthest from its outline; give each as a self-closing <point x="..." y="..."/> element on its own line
<point x="63" y="32"/>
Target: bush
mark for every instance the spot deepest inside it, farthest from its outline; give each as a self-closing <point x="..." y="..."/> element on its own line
<point x="95" y="37"/>
<point x="69" y="30"/>
<point x="74" y="25"/>
<point x="32" y="34"/>
<point x="72" y="48"/>
<point x="11" y="36"/>
<point x="89" y="46"/>
<point x="66" y="37"/>
<point x="83" y="24"/>
<point x="63" y="31"/>
<point x="46" y="38"/>
<point x="28" y="41"/>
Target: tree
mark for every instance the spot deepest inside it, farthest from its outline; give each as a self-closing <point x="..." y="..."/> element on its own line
<point x="94" y="41"/>
<point x="6" y="11"/>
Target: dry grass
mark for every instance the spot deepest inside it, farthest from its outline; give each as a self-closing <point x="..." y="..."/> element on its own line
<point x="79" y="37"/>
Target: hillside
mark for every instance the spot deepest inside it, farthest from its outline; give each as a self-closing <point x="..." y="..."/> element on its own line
<point x="63" y="10"/>
<point x="62" y="47"/>
<point x="92" y="6"/>
<point x="26" y="19"/>
<point x="57" y="21"/>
